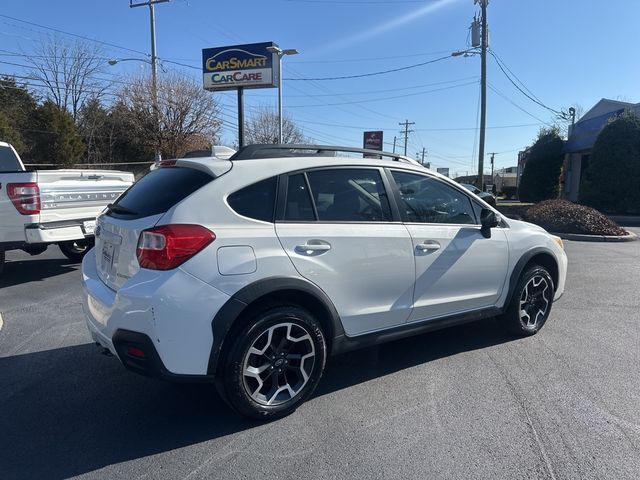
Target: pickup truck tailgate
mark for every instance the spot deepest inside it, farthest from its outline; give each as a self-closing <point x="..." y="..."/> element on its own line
<point x="75" y="194"/>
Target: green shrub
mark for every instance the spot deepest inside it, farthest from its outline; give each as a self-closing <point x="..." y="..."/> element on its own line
<point x="611" y="182"/>
<point x="540" y="179"/>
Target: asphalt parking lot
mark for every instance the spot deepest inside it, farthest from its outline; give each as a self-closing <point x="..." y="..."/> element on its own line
<point x="468" y="402"/>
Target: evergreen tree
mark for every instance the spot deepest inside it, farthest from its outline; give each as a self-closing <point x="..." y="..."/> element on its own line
<point x="17" y="106"/>
<point x="56" y="137"/>
<point x="9" y="134"/>
<point x="541" y="176"/>
<point x="612" y="179"/>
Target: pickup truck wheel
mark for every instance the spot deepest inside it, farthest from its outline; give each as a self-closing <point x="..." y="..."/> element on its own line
<point x="274" y="364"/>
<point x="531" y="302"/>
<point x="75" y="250"/>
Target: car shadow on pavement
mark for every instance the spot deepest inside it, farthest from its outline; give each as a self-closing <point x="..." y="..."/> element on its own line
<point x="17" y="272"/>
<point x="359" y="366"/>
<point x="69" y="411"/>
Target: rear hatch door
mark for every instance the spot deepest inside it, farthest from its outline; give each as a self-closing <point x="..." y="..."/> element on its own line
<point x="138" y="209"/>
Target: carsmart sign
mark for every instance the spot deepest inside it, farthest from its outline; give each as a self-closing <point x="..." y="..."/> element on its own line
<point x="247" y="66"/>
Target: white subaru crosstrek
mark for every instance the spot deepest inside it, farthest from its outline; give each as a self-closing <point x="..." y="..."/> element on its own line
<point x="249" y="272"/>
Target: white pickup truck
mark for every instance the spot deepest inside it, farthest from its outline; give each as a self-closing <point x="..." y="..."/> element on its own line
<point x="52" y="206"/>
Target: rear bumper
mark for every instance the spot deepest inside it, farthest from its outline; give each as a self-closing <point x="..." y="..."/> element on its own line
<point x="55" y="232"/>
<point x="149" y="364"/>
<point x="167" y="314"/>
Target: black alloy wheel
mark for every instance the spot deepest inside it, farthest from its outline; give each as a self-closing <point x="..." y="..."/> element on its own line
<point x="531" y="302"/>
<point x="274" y="364"/>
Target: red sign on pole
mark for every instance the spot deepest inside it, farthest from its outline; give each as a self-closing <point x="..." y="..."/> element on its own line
<point x="372" y="141"/>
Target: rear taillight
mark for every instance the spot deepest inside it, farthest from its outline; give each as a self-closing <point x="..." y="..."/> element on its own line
<point x="168" y="246"/>
<point x="25" y="197"/>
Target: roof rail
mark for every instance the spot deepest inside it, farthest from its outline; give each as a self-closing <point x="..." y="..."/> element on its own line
<point x="258" y="151"/>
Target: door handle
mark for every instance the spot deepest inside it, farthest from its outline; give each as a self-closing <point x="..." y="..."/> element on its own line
<point x="313" y="247"/>
<point x="428" y="246"/>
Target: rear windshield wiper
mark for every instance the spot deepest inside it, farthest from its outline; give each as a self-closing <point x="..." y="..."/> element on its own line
<point x="119" y="209"/>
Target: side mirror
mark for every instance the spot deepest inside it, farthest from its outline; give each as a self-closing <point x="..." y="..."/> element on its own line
<point x="488" y="220"/>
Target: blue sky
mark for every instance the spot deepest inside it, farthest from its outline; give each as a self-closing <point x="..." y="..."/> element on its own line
<point x="567" y="52"/>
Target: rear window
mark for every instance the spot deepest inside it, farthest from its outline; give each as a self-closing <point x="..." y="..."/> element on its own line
<point x="157" y="192"/>
<point x="8" y="160"/>
<point x="255" y="201"/>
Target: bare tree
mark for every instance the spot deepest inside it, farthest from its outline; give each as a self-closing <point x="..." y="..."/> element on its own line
<point x="185" y="112"/>
<point x="262" y="127"/>
<point x="70" y="71"/>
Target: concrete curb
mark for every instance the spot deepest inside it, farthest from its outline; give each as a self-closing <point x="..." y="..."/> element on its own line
<point x="597" y="238"/>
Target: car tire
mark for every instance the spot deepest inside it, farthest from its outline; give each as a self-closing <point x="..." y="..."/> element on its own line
<point x="75" y="250"/>
<point x="530" y="303"/>
<point x="274" y="363"/>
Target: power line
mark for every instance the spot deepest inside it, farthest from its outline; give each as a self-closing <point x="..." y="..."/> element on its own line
<point x="198" y="66"/>
<point x="356" y="2"/>
<point x="44" y="85"/>
<point x="108" y="80"/>
<point x="323" y="88"/>
<point x="385" y="98"/>
<point x="113" y="45"/>
<point x="503" y="96"/>
<point x="499" y="58"/>
<point x="378" y="127"/>
<point x="534" y="100"/>
<point x="370" y="59"/>
<point x="371" y="74"/>
<point x="371" y="92"/>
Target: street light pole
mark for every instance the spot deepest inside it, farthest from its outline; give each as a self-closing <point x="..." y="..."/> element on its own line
<point x="279" y="98"/>
<point x="281" y="53"/>
<point x="154" y="63"/>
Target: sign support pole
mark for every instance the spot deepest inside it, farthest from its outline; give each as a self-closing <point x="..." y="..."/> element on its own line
<point x="241" y="117"/>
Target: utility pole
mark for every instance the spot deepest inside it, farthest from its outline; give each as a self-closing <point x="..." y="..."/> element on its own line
<point x="483" y="92"/>
<point x="154" y="62"/>
<point x="406" y="133"/>
<point x="492" y="155"/>
<point x="424" y="151"/>
<point x="394" y="144"/>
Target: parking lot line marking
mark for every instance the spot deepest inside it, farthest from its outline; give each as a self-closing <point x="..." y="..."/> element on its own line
<point x="1" y="322"/>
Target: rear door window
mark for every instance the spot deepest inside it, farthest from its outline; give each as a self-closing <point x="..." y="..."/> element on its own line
<point x="157" y="192"/>
<point x="298" y="207"/>
<point x="255" y="201"/>
<point x="349" y="195"/>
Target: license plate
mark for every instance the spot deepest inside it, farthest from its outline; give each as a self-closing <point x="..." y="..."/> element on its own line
<point x="89" y="227"/>
<point x="107" y="256"/>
